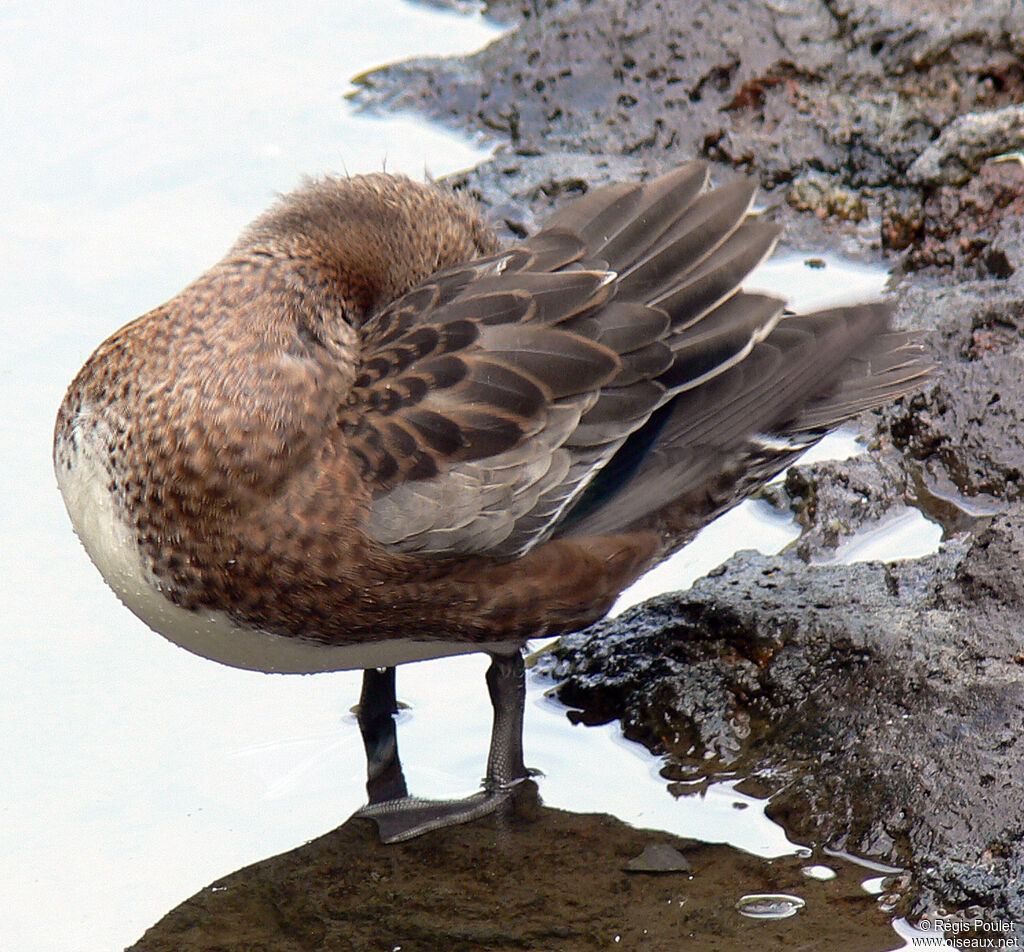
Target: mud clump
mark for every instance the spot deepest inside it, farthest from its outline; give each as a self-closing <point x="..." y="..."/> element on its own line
<point x="550" y="882"/>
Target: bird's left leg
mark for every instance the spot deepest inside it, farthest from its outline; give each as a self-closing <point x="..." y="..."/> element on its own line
<point x="378" y="706"/>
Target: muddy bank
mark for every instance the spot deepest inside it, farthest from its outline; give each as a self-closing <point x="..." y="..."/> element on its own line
<point x="885" y="701"/>
<point x="875" y="116"/>
<point x="547" y="881"/>
<point x="855" y="88"/>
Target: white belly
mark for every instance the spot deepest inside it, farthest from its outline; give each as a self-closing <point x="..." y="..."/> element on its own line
<point x="111" y="545"/>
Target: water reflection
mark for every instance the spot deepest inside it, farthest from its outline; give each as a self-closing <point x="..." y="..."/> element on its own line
<point x="905" y="533"/>
<point x="400" y="817"/>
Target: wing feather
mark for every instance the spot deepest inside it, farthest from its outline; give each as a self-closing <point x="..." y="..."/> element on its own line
<point x="514" y="398"/>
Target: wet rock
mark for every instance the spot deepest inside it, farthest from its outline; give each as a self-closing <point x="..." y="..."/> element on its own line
<point x="886" y="703"/>
<point x="665" y="675"/>
<point x="902" y="218"/>
<point x="510" y="12"/>
<point x="881" y="704"/>
<point x="816" y="192"/>
<point x="832" y="500"/>
<point x="859" y="109"/>
<point x="620" y="76"/>
<point x="966" y="143"/>
<point x="857" y="90"/>
<point x="973" y="228"/>
<point x="968" y="421"/>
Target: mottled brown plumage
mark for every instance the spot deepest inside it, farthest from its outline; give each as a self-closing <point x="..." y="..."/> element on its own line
<point x="367" y="425"/>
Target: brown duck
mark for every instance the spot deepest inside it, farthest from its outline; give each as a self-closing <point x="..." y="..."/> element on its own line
<point x="369" y="436"/>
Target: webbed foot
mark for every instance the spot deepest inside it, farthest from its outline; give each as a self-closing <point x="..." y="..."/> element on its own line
<point x="408" y="817"/>
<point x="400" y="817"/>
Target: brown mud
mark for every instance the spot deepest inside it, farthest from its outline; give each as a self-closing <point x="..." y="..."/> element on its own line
<point x="544" y="881"/>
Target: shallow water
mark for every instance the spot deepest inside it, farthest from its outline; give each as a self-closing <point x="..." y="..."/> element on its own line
<point x="138" y="772"/>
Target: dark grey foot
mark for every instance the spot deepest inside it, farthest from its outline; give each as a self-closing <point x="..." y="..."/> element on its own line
<point x="409" y="817"/>
<point x="404" y="817"/>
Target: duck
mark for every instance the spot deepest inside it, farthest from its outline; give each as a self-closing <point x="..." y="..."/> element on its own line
<point x="372" y="434"/>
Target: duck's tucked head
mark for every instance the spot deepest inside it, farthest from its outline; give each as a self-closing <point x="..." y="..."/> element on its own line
<point x="370" y="238"/>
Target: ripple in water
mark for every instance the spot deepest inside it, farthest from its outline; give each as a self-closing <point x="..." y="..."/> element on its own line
<point x="770" y="905"/>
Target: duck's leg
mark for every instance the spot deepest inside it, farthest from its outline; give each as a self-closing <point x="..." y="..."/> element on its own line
<point x="378" y="706"/>
<point x="406" y="817"/>
<point x="506" y="684"/>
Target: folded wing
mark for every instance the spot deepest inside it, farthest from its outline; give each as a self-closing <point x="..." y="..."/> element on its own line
<point x="519" y="396"/>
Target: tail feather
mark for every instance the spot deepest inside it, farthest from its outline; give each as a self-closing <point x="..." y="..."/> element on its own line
<point x="716" y="443"/>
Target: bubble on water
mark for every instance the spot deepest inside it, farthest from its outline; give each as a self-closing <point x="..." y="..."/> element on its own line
<point x="821" y="873"/>
<point x="770" y="906"/>
<point x="875" y="885"/>
<point x="889" y="901"/>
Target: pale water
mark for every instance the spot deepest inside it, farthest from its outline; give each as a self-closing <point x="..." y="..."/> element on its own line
<point x="138" y="141"/>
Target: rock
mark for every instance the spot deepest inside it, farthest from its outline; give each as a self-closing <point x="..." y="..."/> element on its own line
<point x="752" y="85"/>
<point x="832" y="500"/>
<point x="974" y="228"/>
<point x="966" y="143"/>
<point x="659" y="858"/>
<point x="759" y="87"/>
<point x="967" y="423"/>
<point x="881" y="704"/>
